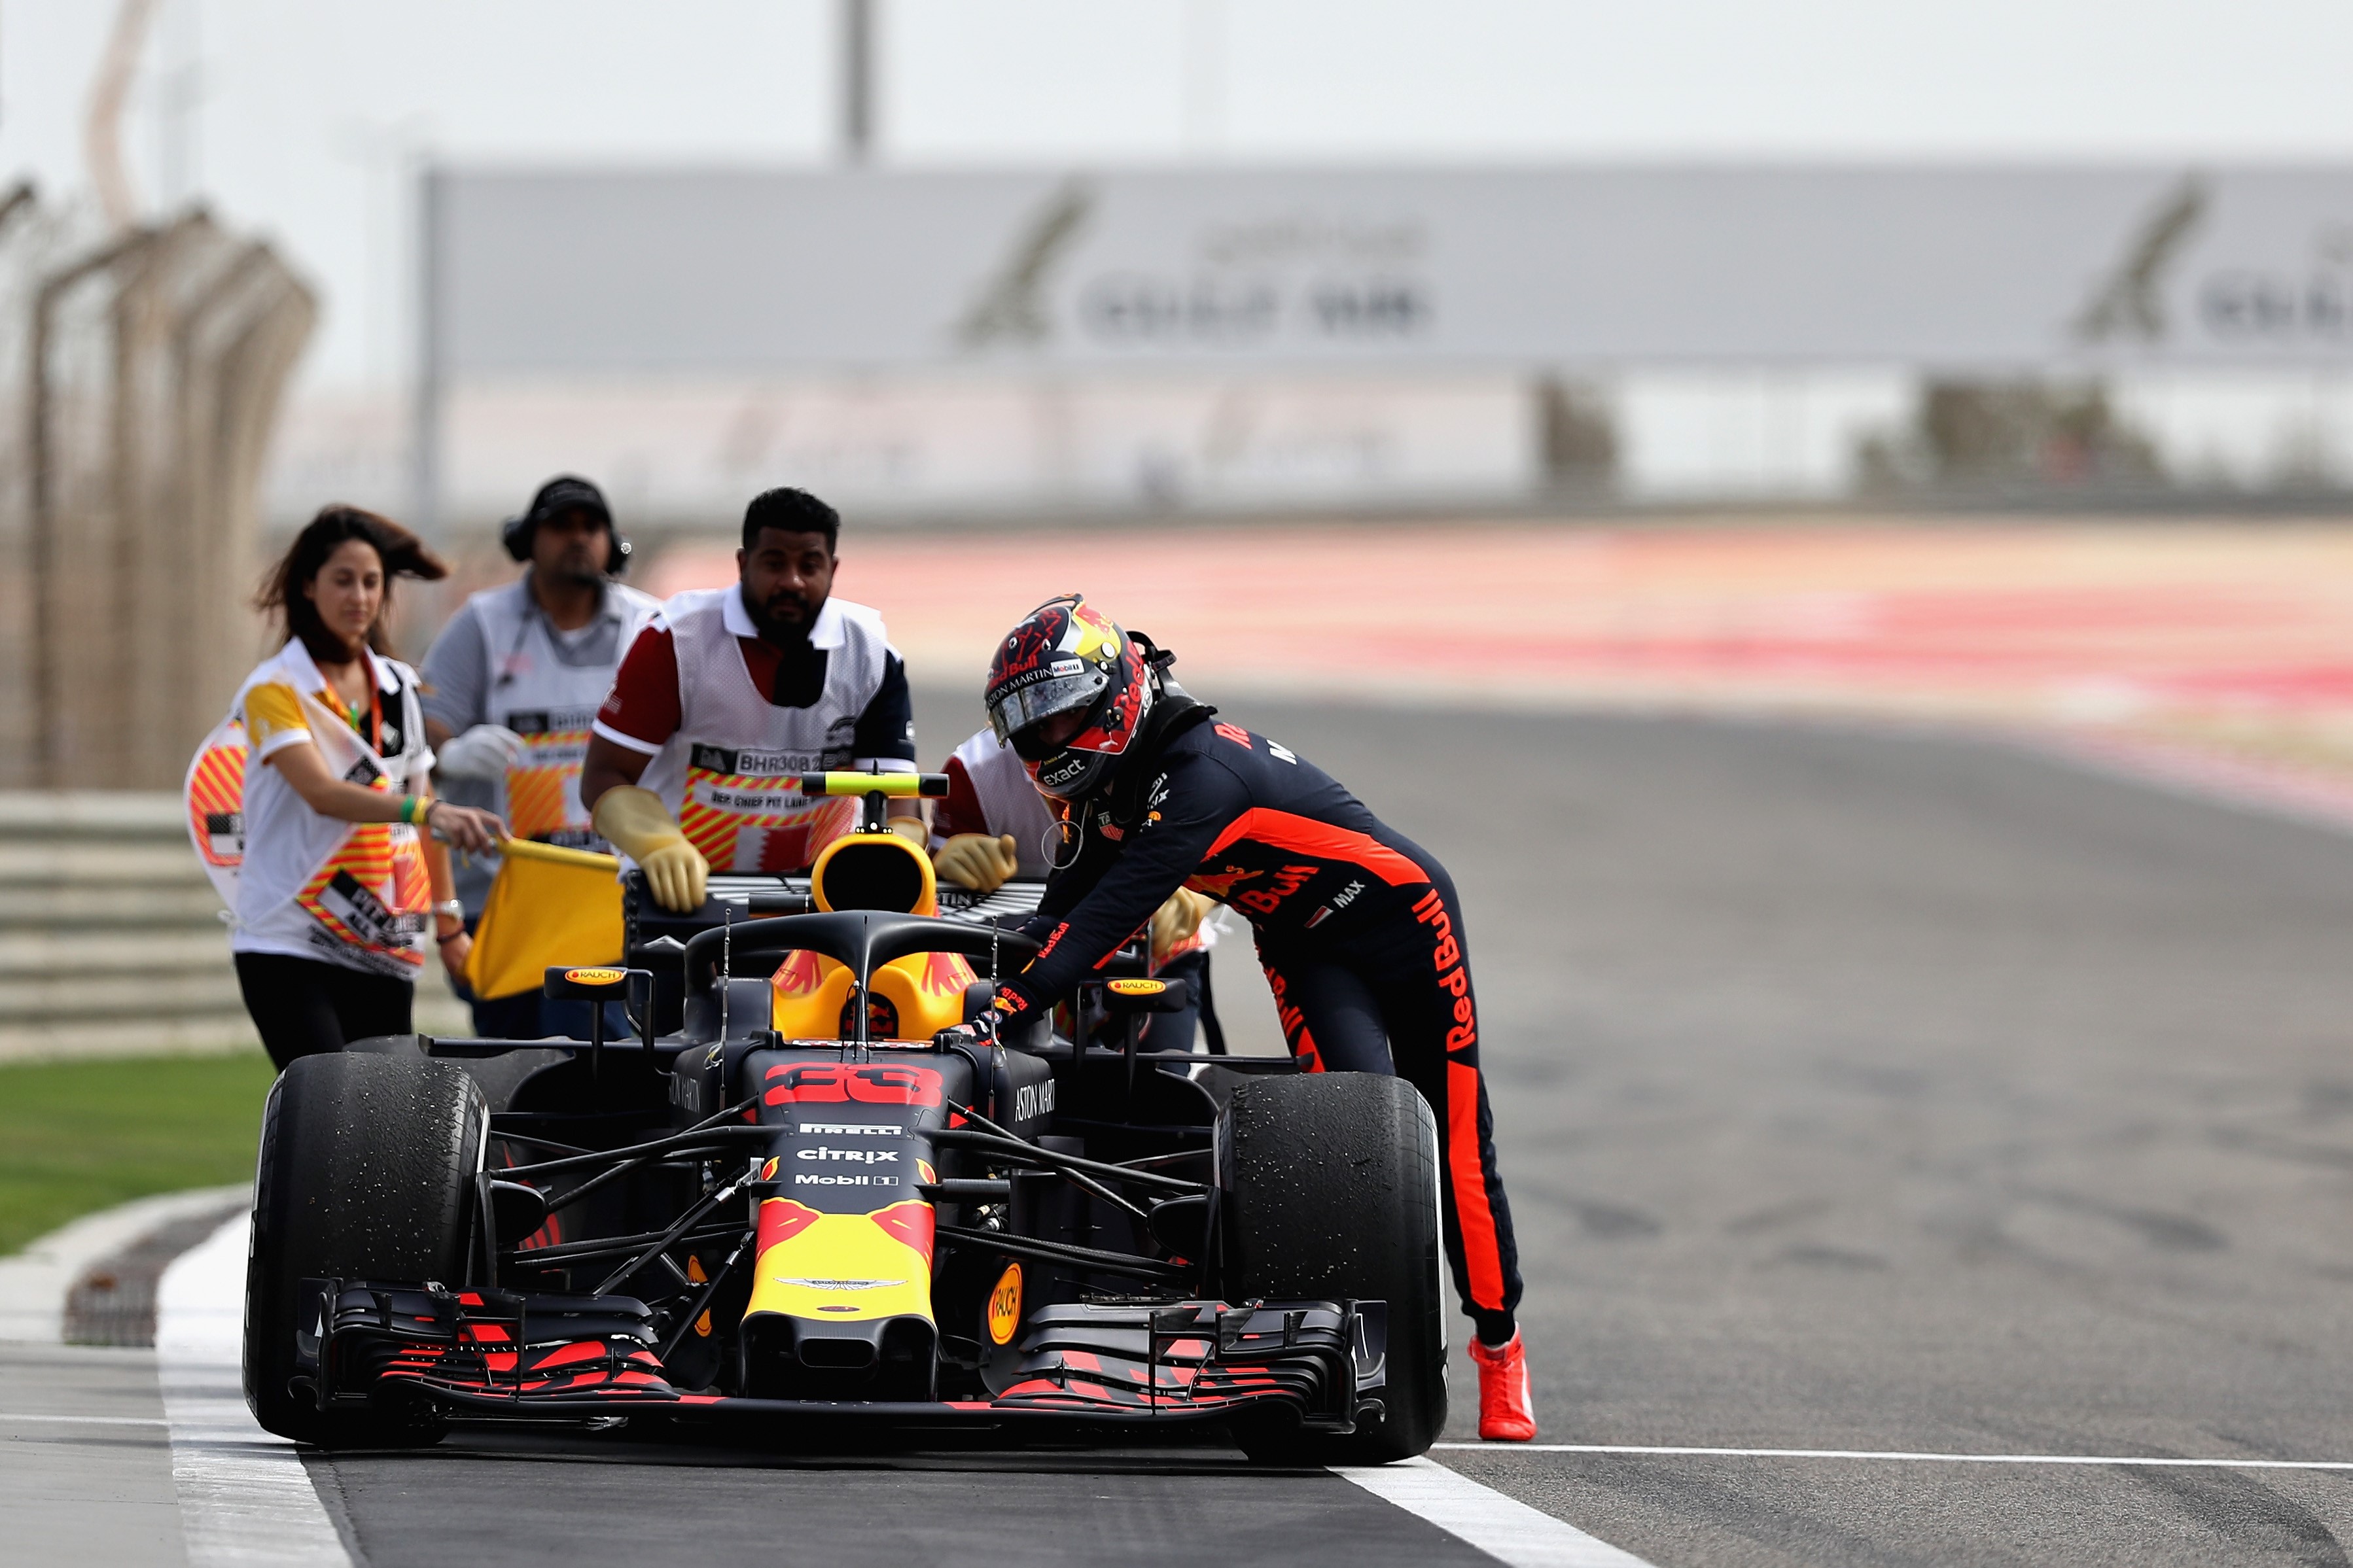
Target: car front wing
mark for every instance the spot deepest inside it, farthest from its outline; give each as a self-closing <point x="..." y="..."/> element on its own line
<point x="570" y="1358"/>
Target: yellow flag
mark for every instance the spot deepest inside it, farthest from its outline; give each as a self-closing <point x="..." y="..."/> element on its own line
<point x="547" y="905"/>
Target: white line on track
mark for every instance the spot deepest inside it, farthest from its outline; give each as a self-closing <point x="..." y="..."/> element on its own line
<point x="1500" y="1526"/>
<point x="245" y="1500"/>
<point x="33" y="1284"/>
<point x="1902" y="1456"/>
<point x="88" y="1420"/>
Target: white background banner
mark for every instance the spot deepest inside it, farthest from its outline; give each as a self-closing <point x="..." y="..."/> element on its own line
<point x="538" y="274"/>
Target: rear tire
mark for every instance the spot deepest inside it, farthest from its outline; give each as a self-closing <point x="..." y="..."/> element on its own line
<point x="1332" y="1194"/>
<point x="366" y="1173"/>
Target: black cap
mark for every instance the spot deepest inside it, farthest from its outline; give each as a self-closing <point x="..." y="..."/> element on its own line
<point x="565" y="493"/>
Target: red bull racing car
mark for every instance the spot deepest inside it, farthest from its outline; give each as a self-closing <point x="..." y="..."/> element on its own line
<point x="789" y="1203"/>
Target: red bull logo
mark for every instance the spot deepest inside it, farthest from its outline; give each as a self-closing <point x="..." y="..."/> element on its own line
<point x="1216" y="885"/>
<point x="943" y="974"/>
<point x="847" y="1266"/>
<point x="799" y="974"/>
<point x="1091" y="635"/>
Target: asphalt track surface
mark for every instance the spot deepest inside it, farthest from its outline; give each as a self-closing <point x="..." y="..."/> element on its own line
<point x="1857" y="1091"/>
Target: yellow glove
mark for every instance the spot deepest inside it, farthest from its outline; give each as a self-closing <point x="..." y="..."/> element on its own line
<point x="911" y="829"/>
<point x="640" y="825"/>
<point x="1174" y="921"/>
<point x="975" y="861"/>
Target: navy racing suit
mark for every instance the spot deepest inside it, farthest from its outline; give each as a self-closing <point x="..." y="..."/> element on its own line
<point x="1358" y="928"/>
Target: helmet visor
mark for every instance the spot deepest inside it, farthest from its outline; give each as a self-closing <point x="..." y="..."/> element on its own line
<point x="1031" y="745"/>
<point x="1066" y="684"/>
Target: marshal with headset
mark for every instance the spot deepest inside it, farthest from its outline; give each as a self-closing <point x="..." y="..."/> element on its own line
<point x="565" y="492"/>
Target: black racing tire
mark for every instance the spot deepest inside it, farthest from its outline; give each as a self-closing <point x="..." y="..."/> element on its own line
<point x="1332" y="1194"/>
<point x="366" y="1173"/>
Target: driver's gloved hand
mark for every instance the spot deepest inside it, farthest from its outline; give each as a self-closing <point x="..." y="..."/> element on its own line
<point x="981" y="1031"/>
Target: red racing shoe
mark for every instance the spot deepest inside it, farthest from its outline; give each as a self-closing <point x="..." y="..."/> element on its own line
<point x="1506" y="1409"/>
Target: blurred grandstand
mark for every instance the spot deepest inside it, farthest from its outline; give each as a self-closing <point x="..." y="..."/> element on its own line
<point x="981" y="347"/>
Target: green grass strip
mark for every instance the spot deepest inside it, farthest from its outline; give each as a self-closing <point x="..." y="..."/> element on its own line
<point x="79" y="1136"/>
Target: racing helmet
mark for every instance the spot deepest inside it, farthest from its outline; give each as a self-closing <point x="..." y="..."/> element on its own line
<point x="1066" y="655"/>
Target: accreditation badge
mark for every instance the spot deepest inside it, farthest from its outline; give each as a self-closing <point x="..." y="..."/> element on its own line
<point x="744" y="811"/>
<point x="371" y="894"/>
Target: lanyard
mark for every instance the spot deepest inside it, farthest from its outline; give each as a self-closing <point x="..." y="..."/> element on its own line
<point x="373" y="736"/>
<point x="531" y="617"/>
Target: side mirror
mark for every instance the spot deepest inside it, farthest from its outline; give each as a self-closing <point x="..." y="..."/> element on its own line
<point x="1146" y="996"/>
<point x="599" y="982"/>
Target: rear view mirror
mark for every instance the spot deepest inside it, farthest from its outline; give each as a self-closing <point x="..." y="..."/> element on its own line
<point x="1146" y="996"/>
<point x="587" y="983"/>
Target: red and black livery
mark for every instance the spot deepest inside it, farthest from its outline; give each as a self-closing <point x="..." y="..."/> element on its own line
<point x="711" y="1223"/>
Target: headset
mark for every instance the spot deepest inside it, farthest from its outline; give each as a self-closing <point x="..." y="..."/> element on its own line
<point x="516" y="532"/>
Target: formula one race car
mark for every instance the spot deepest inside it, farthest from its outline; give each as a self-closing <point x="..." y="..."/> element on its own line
<point x="790" y="1201"/>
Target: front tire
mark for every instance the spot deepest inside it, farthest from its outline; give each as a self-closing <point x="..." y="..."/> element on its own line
<point x="1332" y="1194"/>
<point x="366" y="1173"/>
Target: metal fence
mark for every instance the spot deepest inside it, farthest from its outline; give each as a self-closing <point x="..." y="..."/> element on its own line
<point x="141" y="373"/>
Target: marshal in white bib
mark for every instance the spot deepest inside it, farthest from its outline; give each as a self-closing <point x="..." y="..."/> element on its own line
<point x="731" y="771"/>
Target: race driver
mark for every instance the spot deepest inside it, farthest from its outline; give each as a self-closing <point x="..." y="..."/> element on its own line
<point x="510" y="686"/>
<point x="1359" y="928"/>
<point x="729" y="695"/>
<point x="994" y="825"/>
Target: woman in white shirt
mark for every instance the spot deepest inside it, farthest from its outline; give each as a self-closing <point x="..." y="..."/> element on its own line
<point x="345" y="866"/>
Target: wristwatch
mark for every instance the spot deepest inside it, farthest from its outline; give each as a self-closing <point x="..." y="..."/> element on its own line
<point x="451" y="906"/>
